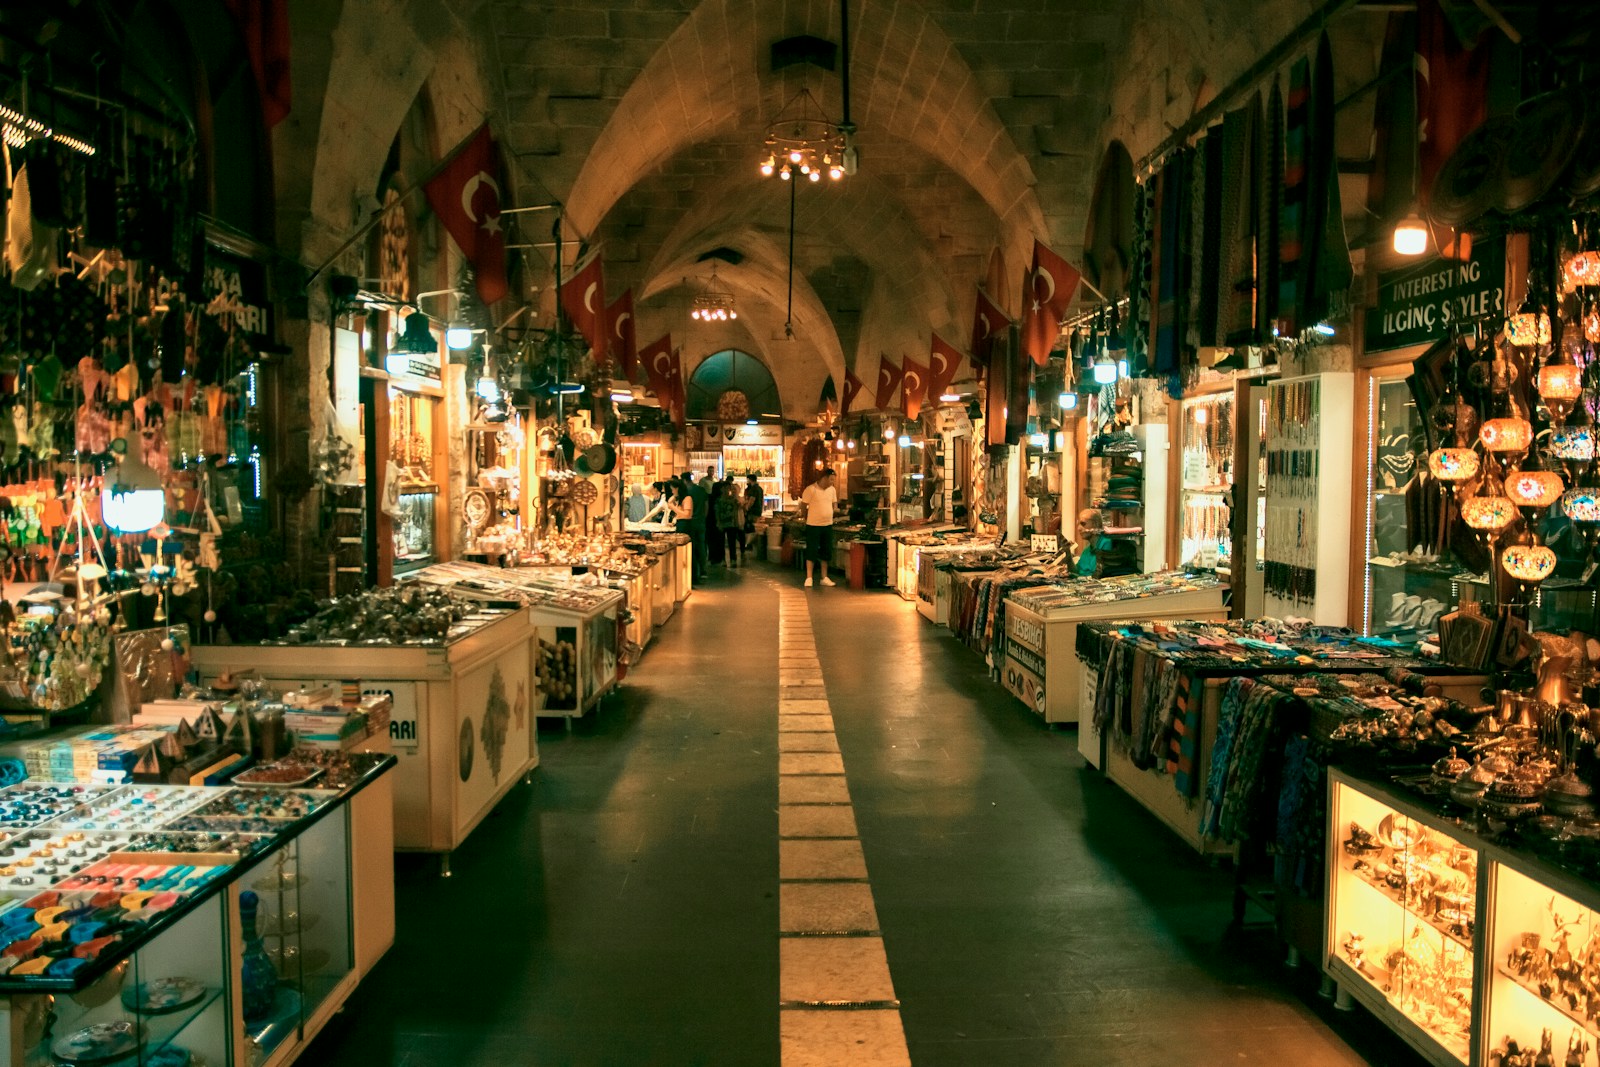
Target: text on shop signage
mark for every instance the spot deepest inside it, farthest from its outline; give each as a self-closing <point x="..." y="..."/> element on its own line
<point x="1418" y="304"/>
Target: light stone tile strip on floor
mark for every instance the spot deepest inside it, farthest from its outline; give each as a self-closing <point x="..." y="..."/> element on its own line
<point x="836" y="999"/>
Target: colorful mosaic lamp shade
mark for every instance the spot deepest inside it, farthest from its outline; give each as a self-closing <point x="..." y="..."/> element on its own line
<point x="1535" y="488"/>
<point x="1582" y="269"/>
<point x="1489" y="514"/>
<point x="1453" y="464"/>
<point x="1560" y="381"/>
<point x="1507" y="434"/>
<point x="1529" y="564"/>
<point x="1573" y="443"/>
<point x="1581" y="505"/>
<point x="1527" y="328"/>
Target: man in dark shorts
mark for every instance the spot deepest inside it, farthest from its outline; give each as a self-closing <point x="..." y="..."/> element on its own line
<point x="816" y="510"/>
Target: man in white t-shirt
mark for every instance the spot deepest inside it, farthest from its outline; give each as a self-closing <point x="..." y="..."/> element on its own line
<point x="816" y="509"/>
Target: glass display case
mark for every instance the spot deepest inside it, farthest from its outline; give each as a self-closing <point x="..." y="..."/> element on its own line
<point x="413" y="453"/>
<point x="1408" y="583"/>
<point x="1206" y="482"/>
<point x="1402" y="915"/>
<point x="921" y="482"/>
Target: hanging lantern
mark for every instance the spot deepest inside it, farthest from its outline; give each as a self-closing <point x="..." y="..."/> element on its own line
<point x="1528" y="564"/>
<point x="1526" y="329"/>
<point x="1573" y="442"/>
<point x="1506" y="436"/>
<point x="1534" y="489"/>
<point x="1582" y="268"/>
<point x="1489" y="515"/>
<point x="1560" y="385"/>
<point x="1581" y="504"/>
<point x="1591" y="323"/>
<point x="1453" y="464"/>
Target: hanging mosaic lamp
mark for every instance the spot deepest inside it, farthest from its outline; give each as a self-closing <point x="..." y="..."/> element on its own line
<point x="1528" y="564"/>
<point x="1580" y="269"/>
<point x="1560" y="385"/>
<point x="1528" y="328"/>
<point x="1489" y="511"/>
<point x="1581" y="504"/>
<point x="1534" y="489"/>
<point x="1506" y="436"/>
<point x="1453" y="464"/>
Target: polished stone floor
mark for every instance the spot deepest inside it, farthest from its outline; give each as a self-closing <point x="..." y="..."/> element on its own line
<point x="624" y="908"/>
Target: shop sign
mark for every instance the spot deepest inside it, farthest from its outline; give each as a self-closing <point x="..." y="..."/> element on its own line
<point x="1419" y="304"/>
<point x="1025" y="632"/>
<point x="1046" y="543"/>
<point x="242" y="283"/>
<point x="423" y="365"/>
<point x="402" y="714"/>
<point x="744" y="434"/>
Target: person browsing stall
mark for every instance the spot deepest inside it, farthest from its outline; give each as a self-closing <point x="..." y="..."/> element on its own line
<point x="816" y="511"/>
<point x="1092" y="544"/>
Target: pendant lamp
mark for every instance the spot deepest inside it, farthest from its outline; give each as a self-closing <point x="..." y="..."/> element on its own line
<point x="135" y="500"/>
<point x="1560" y="385"/>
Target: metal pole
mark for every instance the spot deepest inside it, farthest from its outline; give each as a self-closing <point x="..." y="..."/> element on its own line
<point x="788" y="326"/>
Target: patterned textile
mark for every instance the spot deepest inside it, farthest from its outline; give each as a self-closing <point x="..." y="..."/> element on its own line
<point x="1270" y="205"/>
<point x="1197" y="288"/>
<point x="1235" y="148"/>
<point x="1238" y="314"/>
<point x="1210" y="251"/>
<point x="1251" y="775"/>
<point x="1302" y="817"/>
<point x="1164" y="353"/>
<point x="1292" y="220"/>
<point x="1327" y="251"/>
<point x="1233" y="698"/>
<point x="1191" y="702"/>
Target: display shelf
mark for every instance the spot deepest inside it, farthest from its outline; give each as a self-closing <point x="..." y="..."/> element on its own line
<point x="1389" y="943"/>
<point x="1310" y="486"/>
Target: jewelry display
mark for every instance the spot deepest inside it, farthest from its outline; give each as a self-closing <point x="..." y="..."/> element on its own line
<point x="1207" y="481"/>
<point x="1294" y="440"/>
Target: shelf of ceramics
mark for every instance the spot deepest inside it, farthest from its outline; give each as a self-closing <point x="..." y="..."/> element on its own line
<point x="1402" y="934"/>
<point x="463" y="724"/>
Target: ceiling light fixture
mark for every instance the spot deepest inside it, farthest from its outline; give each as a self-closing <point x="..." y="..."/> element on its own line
<point x="803" y="142"/>
<point x="714" y="303"/>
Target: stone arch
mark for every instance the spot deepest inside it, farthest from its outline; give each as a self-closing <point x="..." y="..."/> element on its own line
<point x="737" y="369"/>
<point x="911" y="80"/>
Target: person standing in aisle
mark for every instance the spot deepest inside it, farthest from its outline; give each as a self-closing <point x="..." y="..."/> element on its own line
<point x="816" y="511"/>
<point x="729" y="513"/>
<point x="638" y="504"/>
<point x="697" y="526"/>
<point x="714" y="538"/>
<point x="753" y="501"/>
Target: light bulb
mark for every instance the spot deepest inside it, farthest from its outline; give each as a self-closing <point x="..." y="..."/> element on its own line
<point x="766" y="169"/>
<point x="904" y="441"/>
<point x="794" y="157"/>
<point x="1201" y="415"/>
<point x="784" y="174"/>
<point x="1411" y="236"/>
<point x="1105" y="371"/>
<point x="733" y="314"/>
<point x="835" y="173"/>
<point x="888" y="433"/>
<point x="1068" y="401"/>
<point x="816" y="175"/>
<point x="458" y="337"/>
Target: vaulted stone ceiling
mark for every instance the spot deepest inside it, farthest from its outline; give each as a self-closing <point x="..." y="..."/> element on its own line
<point x="981" y="125"/>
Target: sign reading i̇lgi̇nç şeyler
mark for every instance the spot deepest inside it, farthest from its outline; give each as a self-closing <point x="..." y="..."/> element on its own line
<point x="1419" y="304"/>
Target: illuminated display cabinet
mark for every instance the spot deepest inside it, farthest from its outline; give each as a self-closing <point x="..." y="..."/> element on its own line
<point x="1460" y="945"/>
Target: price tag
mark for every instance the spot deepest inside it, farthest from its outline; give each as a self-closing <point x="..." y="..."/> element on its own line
<point x="1047" y="542"/>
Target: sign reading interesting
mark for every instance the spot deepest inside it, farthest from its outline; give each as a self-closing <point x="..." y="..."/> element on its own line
<point x="1419" y="304"/>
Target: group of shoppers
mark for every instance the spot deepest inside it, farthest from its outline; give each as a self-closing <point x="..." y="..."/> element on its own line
<point x="717" y="515"/>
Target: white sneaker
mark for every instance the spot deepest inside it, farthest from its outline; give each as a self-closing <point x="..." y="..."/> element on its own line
<point x="828" y="581"/>
<point x="808" y="581"/>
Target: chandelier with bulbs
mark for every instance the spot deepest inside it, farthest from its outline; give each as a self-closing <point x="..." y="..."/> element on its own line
<point x="713" y="304"/>
<point x="803" y="142"/>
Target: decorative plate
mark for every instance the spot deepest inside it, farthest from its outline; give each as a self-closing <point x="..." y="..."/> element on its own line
<point x="97" y="1043"/>
<point x="476" y="507"/>
<point x="163" y="995"/>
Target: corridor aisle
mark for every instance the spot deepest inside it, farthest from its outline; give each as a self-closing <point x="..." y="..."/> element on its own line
<point x="624" y="909"/>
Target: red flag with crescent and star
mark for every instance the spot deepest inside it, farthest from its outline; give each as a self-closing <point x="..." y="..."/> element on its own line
<point x="656" y="358"/>
<point x="914" y="387"/>
<point x="620" y="334"/>
<point x="583" y="298"/>
<point x="988" y="327"/>
<point x="943" y="360"/>
<point x="889" y="376"/>
<point x="1046" y="294"/>
<point x="465" y="194"/>
<point x="852" y="389"/>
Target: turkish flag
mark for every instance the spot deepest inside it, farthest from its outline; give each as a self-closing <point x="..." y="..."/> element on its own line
<point x="583" y="298"/>
<point x="620" y="334"/>
<point x="943" y="360"/>
<point x="465" y="194"/>
<point x="988" y="327"/>
<point x="656" y="358"/>
<point x="264" y="25"/>
<point x="1452" y="91"/>
<point x="889" y="377"/>
<point x="680" y="394"/>
<point x="1046" y="294"/>
<point x="915" y="388"/>
<point x="852" y="389"/>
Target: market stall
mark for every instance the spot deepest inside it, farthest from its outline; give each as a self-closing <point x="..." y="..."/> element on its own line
<point x="1042" y="669"/>
<point x="255" y="914"/>
<point x="466" y="690"/>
